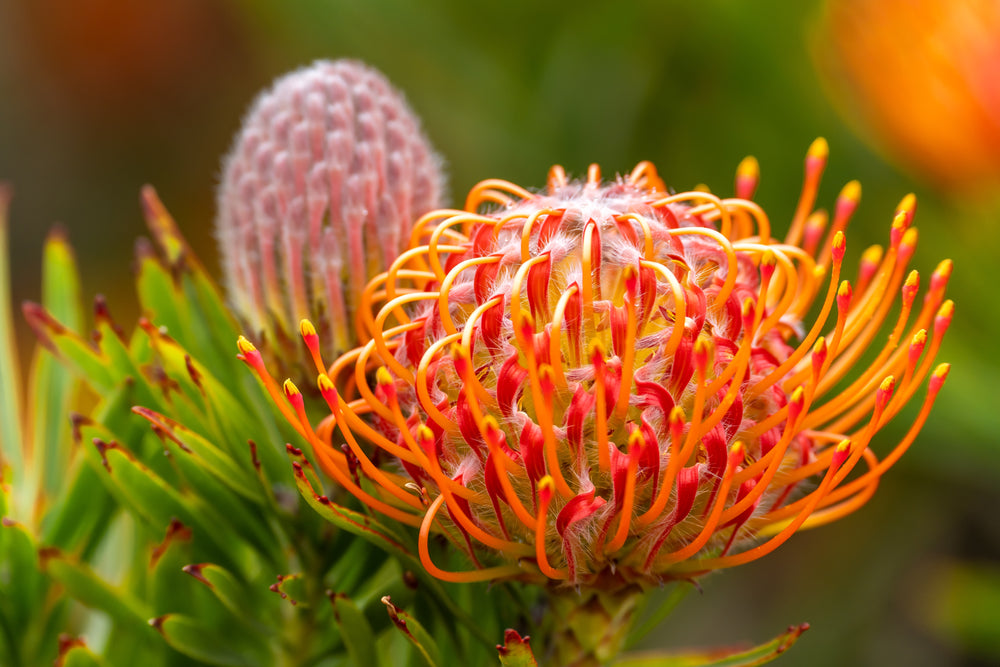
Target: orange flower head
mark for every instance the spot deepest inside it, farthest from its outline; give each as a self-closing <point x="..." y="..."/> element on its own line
<point x="606" y="382"/>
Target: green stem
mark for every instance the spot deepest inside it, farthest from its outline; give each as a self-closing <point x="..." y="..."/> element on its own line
<point x="588" y="628"/>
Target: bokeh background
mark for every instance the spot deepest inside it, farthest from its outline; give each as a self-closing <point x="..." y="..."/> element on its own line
<point x="100" y="97"/>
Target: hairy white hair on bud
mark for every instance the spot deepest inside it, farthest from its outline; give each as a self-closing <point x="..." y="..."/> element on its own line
<point x="318" y="194"/>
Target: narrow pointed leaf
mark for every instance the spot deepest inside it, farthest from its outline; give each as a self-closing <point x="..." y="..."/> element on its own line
<point x="355" y="630"/>
<point x="157" y="503"/>
<point x="198" y="288"/>
<point x="191" y="637"/>
<point x="383" y="537"/>
<point x="415" y="633"/>
<point x="51" y="385"/>
<point x="220" y="500"/>
<point x="81" y="512"/>
<point x="69" y="346"/>
<point x="759" y="655"/>
<point x="10" y="379"/>
<point x="87" y="587"/>
<point x="167" y="585"/>
<point x="359" y="524"/>
<point x="21" y="593"/>
<point x="234" y="595"/>
<point x="232" y="419"/>
<point x="215" y="461"/>
<point x="158" y="294"/>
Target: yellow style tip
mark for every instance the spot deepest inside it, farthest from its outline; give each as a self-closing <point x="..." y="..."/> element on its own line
<point x="245" y="346"/>
<point x="872" y="254"/>
<point x="748" y="168"/>
<point x="424" y="433"/>
<point x="306" y="328"/>
<point x="382" y="376"/>
<point x="819" y="149"/>
<point x="852" y="191"/>
<point x="635" y="439"/>
<point x="908" y="203"/>
<point x="324" y="383"/>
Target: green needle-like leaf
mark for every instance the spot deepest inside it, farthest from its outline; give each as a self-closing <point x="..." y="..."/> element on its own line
<point x="355" y="630"/>
<point x="759" y="655"/>
<point x="415" y="633"/>
<point x="10" y="378"/>
<point x="70" y="346"/>
<point x="156" y="502"/>
<point x="234" y="595"/>
<point x="86" y="586"/>
<point x="191" y="637"/>
<point x="52" y="386"/>
<point x="211" y="458"/>
<point x="22" y="589"/>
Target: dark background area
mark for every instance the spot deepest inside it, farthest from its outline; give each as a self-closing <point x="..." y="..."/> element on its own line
<point x="101" y="97"/>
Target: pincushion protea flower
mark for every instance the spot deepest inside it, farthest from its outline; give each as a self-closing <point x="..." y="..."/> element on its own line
<point x="610" y="386"/>
<point x="318" y="194"/>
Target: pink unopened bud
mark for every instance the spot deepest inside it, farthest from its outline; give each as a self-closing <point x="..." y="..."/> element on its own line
<point x="319" y="193"/>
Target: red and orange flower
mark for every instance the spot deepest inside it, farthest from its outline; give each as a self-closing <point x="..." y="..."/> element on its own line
<point x="606" y="378"/>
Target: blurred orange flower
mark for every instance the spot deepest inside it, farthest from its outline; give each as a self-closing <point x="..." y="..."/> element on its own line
<point x="924" y="77"/>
